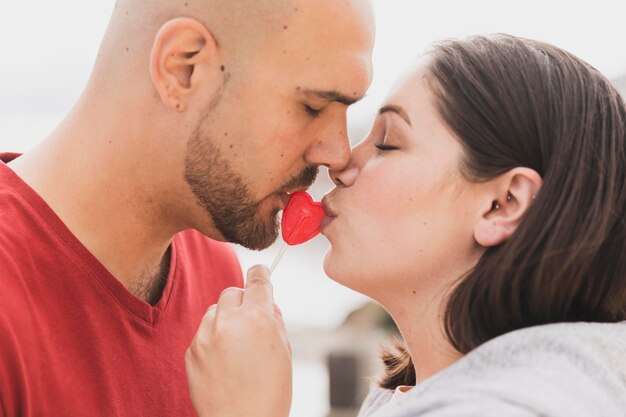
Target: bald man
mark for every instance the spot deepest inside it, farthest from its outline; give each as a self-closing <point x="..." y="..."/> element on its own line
<point x="199" y="119"/>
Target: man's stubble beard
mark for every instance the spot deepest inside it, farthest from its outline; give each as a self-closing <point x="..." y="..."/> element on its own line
<point x="225" y="197"/>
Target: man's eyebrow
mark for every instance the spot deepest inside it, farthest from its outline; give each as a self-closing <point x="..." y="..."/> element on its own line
<point x="332" y="96"/>
<point x="397" y="110"/>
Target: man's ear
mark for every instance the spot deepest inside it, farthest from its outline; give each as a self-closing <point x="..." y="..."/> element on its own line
<point x="184" y="54"/>
<point x="507" y="199"/>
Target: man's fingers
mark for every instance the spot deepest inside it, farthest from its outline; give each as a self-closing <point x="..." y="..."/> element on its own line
<point x="230" y="298"/>
<point x="204" y="331"/>
<point x="258" y="287"/>
<point x="210" y="314"/>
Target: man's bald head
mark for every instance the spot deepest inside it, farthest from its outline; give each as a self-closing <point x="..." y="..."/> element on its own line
<point x="238" y="98"/>
<point x="236" y="25"/>
<point x="243" y="30"/>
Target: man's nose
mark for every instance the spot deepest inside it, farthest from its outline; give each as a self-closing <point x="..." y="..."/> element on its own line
<point x="347" y="176"/>
<point x="330" y="149"/>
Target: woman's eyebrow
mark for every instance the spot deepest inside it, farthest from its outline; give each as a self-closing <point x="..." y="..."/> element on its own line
<point x="397" y="110"/>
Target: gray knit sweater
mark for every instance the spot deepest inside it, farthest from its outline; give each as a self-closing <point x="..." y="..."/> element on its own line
<point x="557" y="370"/>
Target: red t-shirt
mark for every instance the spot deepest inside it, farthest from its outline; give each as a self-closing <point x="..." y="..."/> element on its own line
<point x="73" y="340"/>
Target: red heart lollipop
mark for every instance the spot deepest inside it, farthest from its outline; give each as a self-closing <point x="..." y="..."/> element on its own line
<point x="301" y="218"/>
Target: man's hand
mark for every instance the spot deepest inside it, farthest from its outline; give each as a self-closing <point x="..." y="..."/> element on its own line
<point x="239" y="362"/>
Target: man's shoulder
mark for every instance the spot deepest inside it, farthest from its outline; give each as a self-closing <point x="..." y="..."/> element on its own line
<point x="16" y="301"/>
<point x="15" y="212"/>
<point x="18" y="229"/>
<point x="15" y="240"/>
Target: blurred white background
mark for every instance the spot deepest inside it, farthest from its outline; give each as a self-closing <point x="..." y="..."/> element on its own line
<point x="47" y="49"/>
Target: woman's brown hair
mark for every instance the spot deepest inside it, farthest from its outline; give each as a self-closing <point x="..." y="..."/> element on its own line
<point x="515" y="102"/>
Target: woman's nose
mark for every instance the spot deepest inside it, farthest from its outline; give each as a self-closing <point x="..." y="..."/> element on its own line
<point x="345" y="177"/>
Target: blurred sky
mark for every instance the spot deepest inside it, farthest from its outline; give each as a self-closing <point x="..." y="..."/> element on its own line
<point x="48" y="47"/>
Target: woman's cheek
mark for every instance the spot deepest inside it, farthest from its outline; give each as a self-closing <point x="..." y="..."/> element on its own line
<point x="384" y="191"/>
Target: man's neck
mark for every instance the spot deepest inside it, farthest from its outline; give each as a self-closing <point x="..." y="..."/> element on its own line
<point x="149" y="286"/>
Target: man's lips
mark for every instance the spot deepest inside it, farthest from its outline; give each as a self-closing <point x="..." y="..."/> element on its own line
<point x="285" y="199"/>
<point x="285" y="195"/>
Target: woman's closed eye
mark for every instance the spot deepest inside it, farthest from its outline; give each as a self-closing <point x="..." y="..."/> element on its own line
<point x="383" y="147"/>
<point x="388" y="139"/>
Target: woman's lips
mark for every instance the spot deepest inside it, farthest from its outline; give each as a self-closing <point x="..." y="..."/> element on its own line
<point x="325" y="222"/>
<point x="330" y="214"/>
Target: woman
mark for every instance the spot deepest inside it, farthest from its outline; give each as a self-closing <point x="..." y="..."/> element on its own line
<point x="486" y="211"/>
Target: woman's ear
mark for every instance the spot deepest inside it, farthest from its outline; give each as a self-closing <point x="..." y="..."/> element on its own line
<point x="184" y="55"/>
<point x="505" y="205"/>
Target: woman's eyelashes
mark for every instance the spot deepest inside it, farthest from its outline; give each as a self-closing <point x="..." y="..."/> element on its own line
<point x="387" y="137"/>
<point x="383" y="147"/>
<point x="385" y="144"/>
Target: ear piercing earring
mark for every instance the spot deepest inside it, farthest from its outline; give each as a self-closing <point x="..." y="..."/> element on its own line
<point x="496" y="205"/>
<point x="509" y="197"/>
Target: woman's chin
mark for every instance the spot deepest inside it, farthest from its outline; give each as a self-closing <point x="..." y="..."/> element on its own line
<point x="327" y="263"/>
<point x="341" y="272"/>
<point x="333" y="267"/>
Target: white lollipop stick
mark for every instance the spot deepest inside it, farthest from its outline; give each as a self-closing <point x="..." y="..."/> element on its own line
<point x="284" y="248"/>
<point x="278" y="257"/>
